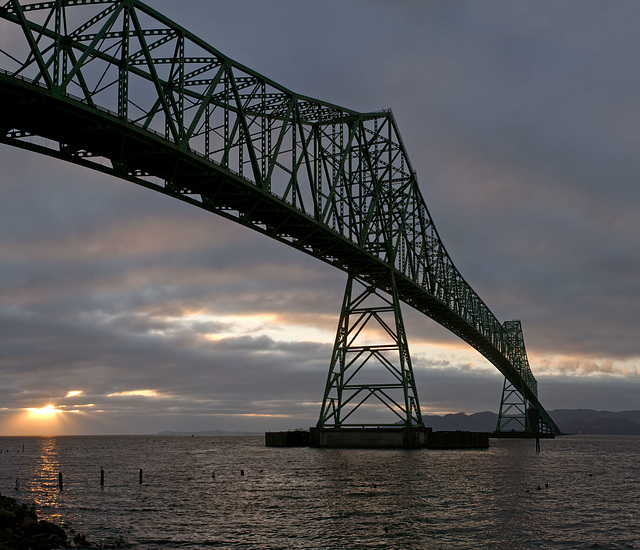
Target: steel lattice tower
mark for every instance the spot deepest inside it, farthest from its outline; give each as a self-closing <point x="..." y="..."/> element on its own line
<point x="514" y="407"/>
<point x="357" y="361"/>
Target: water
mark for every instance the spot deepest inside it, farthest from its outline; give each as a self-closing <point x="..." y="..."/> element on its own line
<point x="579" y="492"/>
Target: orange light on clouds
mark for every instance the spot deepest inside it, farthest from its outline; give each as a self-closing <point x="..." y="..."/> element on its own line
<point x="139" y="393"/>
<point x="73" y="393"/>
<point x="255" y="415"/>
<point x="280" y="328"/>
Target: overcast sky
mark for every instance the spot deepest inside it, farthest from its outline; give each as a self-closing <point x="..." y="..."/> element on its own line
<point x="131" y="312"/>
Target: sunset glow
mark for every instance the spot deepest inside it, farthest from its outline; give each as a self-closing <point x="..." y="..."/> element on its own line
<point x="44" y="412"/>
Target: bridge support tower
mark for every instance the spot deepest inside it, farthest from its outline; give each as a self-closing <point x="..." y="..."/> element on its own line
<point x="518" y="417"/>
<point x="513" y="410"/>
<point x="370" y="364"/>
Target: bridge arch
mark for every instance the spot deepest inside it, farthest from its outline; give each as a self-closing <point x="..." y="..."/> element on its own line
<point x="117" y="87"/>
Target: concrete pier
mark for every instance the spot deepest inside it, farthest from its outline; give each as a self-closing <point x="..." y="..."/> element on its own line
<point x="294" y="438"/>
<point x="380" y="438"/>
<point x="374" y="438"/>
<point x="521" y="435"/>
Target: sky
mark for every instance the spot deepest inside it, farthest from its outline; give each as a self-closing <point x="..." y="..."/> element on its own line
<point x="125" y="311"/>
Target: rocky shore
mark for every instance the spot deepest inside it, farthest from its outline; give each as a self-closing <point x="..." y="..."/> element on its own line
<point x="20" y="528"/>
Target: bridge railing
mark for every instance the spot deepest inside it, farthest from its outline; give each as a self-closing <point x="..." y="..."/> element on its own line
<point x="348" y="171"/>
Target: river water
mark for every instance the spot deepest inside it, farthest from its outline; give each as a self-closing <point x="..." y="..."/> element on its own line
<point x="233" y="492"/>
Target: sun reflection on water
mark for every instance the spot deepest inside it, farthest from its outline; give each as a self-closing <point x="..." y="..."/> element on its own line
<point x="46" y="468"/>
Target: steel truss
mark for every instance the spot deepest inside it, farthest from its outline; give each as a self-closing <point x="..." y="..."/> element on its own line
<point x="513" y="410"/>
<point x="356" y="360"/>
<point x="118" y="87"/>
<point x="516" y="411"/>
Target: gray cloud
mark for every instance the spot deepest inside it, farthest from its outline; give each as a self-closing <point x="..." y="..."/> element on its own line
<point x="521" y="120"/>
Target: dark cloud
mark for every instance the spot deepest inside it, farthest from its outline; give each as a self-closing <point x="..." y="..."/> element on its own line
<point x="521" y="120"/>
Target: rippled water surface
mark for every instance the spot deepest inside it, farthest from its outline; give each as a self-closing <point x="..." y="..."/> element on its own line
<point x="233" y="492"/>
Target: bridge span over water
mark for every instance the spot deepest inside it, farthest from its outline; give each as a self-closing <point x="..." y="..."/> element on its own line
<point x="117" y="87"/>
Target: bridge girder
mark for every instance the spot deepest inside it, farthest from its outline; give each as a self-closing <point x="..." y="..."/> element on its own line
<point x="116" y="86"/>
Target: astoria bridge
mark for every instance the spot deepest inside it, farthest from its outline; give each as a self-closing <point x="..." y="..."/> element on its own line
<point x="117" y="87"/>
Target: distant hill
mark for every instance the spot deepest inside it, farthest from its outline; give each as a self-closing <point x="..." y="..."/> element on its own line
<point x="476" y="422"/>
<point x="587" y="421"/>
<point x="570" y="421"/>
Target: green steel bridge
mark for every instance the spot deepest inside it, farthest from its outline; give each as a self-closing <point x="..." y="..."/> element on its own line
<point x="117" y="87"/>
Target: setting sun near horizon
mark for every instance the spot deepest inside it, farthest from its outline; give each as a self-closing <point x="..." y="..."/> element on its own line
<point x="47" y="411"/>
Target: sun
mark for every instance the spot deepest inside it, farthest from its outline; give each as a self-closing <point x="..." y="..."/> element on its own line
<point x="50" y="419"/>
<point x="48" y="411"/>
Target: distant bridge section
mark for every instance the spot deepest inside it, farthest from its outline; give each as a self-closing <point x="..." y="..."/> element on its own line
<point x="116" y="86"/>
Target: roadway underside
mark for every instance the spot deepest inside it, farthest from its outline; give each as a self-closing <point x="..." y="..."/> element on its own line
<point x="80" y="130"/>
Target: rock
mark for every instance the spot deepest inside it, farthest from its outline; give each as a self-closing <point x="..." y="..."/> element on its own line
<point x="80" y="541"/>
<point x="51" y="529"/>
<point x="7" y="518"/>
<point x="20" y="529"/>
<point x="28" y="524"/>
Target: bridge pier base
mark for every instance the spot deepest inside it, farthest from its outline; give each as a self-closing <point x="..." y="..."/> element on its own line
<point x="376" y="438"/>
<point x="396" y="438"/>
<point x="522" y="435"/>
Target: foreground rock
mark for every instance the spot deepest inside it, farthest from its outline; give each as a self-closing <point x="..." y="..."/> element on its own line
<point x="21" y="530"/>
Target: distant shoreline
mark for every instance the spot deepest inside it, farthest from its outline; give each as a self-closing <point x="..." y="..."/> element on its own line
<point x="570" y="421"/>
<point x="206" y="432"/>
